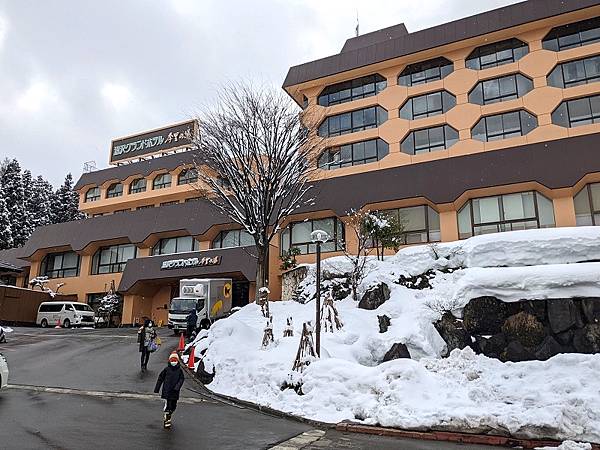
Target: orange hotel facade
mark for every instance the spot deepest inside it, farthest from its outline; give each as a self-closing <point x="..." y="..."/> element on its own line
<point x="481" y="125"/>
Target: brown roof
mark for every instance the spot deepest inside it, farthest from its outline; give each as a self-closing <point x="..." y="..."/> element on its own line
<point x="375" y="37"/>
<point x="10" y="261"/>
<point x="458" y="30"/>
<point x="234" y="262"/>
<point x="143" y="168"/>
<point x="554" y="164"/>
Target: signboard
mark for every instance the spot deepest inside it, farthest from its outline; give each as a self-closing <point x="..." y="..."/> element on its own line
<point x="151" y="142"/>
<point x="190" y="262"/>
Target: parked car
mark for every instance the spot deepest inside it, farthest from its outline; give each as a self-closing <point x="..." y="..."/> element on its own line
<point x="66" y="314"/>
<point x="3" y="372"/>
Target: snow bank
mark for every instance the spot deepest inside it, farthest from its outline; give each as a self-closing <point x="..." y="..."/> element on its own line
<point x="553" y="399"/>
<point x="569" y="445"/>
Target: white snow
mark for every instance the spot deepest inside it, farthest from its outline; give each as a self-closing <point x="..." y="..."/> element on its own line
<point x="555" y="399"/>
<point x="569" y="445"/>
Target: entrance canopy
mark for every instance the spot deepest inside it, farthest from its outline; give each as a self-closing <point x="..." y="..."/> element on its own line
<point x="236" y="262"/>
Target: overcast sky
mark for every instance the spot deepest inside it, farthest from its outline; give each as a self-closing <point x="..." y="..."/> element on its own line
<point x="75" y="74"/>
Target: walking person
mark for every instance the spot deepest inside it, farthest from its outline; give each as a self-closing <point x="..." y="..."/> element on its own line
<point x="147" y="341"/>
<point x="192" y="324"/>
<point x="171" y="378"/>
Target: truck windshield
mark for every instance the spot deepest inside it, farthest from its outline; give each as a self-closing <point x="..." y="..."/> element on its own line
<point x="81" y="307"/>
<point x="185" y="304"/>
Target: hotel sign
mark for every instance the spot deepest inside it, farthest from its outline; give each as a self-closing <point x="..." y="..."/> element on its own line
<point x="156" y="141"/>
<point x="191" y="262"/>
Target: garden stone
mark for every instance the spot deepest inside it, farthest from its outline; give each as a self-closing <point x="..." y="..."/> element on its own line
<point x="535" y="307"/>
<point x="563" y="314"/>
<point x="384" y="323"/>
<point x="549" y="348"/>
<point x="375" y="297"/>
<point x="565" y="337"/>
<point x="397" y="351"/>
<point x="524" y="328"/>
<point x="492" y="346"/>
<point x="484" y="315"/>
<point x="516" y="352"/>
<point x="591" y="309"/>
<point x="587" y="339"/>
<point x="452" y="332"/>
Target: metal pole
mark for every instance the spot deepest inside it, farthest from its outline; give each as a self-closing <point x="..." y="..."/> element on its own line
<point x="318" y="301"/>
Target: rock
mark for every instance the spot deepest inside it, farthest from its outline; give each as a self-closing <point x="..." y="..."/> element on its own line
<point x="565" y="337"/>
<point x="384" y="323"/>
<point x="375" y="297"/>
<point x="587" y="339"/>
<point x="484" y="315"/>
<point x="516" y="352"/>
<point x="397" y="351"/>
<point x="563" y="314"/>
<point x="204" y="376"/>
<point x="328" y="275"/>
<point x="419" y="282"/>
<point x="452" y="332"/>
<point x="534" y="307"/>
<point x="492" y="346"/>
<point x="591" y="309"/>
<point x="548" y="348"/>
<point x="340" y="290"/>
<point x="524" y="328"/>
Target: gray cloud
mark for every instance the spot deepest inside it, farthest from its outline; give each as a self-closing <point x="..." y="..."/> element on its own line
<point x="75" y="74"/>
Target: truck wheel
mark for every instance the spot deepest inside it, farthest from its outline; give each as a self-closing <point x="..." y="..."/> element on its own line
<point x="205" y="324"/>
<point x="67" y="323"/>
<point x="176" y="332"/>
<point x="44" y="323"/>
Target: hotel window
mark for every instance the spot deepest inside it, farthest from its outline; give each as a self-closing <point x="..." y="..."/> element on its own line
<point x="187" y="176"/>
<point x="521" y="211"/>
<point x="427" y="105"/>
<point x="359" y="120"/>
<point x="92" y="194"/>
<point x="114" y="190"/>
<point x="232" y="238"/>
<point x="577" y="112"/>
<point x="172" y="202"/>
<point x="193" y="199"/>
<point x="504" y="126"/>
<point x="180" y="244"/>
<point x="352" y="90"/>
<point x="425" y="72"/>
<point x="429" y="140"/>
<point x="60" y="265"/>
<point x="120" y="211"/>
<point x="145" y="207"/>
<point x="138" y="185"/>
<point x="575" y="73"/>
<point x="297" y="235"/>
<point x="112" y="259"/>
<point x="587" y="205"/>
<point x="353" y="154"/>
<point x="421" y="223"/>
<point x="496" y="54"/>
<point x="162" y="181"/>
<point x="573" y="35"/>
<point x="500" y="89"/>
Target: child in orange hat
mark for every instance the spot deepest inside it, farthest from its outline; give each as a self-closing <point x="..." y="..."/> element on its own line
<point x="171" y="379"/>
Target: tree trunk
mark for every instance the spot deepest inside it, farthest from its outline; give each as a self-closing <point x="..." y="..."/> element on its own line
<point x="261" y="269"/>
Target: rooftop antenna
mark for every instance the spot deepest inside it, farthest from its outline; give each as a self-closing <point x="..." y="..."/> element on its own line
<point x="89" y="166"/>
<point x="357" y="24"/>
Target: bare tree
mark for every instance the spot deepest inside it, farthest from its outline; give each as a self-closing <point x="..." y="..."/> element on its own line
<point x="358" y="222"/>
<point x="255" y="162"/>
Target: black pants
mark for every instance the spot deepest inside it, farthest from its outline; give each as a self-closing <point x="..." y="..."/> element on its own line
<point x="145" y="356"/>
<point x="170" y="406"/>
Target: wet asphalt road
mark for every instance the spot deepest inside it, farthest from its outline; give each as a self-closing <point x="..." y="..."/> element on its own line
<point x="104" y="401"/>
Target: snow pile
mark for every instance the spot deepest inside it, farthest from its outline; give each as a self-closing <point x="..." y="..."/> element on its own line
<point x="569" y="445"/>
<point x="553" y="399"/>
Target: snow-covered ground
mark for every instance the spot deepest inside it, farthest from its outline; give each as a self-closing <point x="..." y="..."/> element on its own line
<point x="556" y="399"/>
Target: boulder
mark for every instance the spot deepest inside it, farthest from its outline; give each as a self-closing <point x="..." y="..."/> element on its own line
<point x="591" y="309"/>
<point x="516" y="352"/>
<point x="587" y="339"/>
<point x="563" y="314"/>
<point x="484" y="315"/>
<point x="564" y="338"/>
<point x="534" y="307"/>
<point x="452" y="332"/>
<point x="375" y="297"/>
<point x="524" y="328"/>
<point x="492" y="346"/>
<point x="384" y="323"/>
<point x="548" y="348"/>
<point x="419" y="282"/>
<point x="329" y="275"/>
<point x="340" y="291"/>
<point x="397" y="351"/>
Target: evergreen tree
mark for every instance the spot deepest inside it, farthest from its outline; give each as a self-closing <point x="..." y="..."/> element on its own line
<point x="6" y="240"/>
<point x="27" y="195"/>
<point x="66" y="204"/>
<point x="40" y="203"/>
<point x="14" y="195"/>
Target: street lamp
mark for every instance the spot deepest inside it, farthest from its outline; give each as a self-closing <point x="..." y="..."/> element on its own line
<point x="318" y="237"/>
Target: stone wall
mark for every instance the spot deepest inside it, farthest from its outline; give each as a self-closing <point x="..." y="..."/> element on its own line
<point x="525" y="330"/>
<point x="290" y="281"/>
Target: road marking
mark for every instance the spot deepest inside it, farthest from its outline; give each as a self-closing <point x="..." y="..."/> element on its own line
<point x="300" y="441"/>
<point x="103" y="394"/>
<point x="95" y="336"/>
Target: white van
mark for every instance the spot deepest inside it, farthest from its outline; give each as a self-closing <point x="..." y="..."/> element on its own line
<point x="66" y="314"/>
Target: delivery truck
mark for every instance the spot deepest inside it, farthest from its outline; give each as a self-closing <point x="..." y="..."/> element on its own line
<point x="211" y="297"/>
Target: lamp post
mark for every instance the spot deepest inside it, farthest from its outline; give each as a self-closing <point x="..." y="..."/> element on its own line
<point x="318" y="237"/>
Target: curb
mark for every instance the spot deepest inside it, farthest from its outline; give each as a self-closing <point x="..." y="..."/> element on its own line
<point x="254" y="406"/>
<point x="450" y="436"/>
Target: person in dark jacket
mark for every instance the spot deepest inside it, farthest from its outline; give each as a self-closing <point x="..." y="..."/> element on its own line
<point x="171" y="379"/>
<point x="146" y="336"/>
<point x="192" y="320"/>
